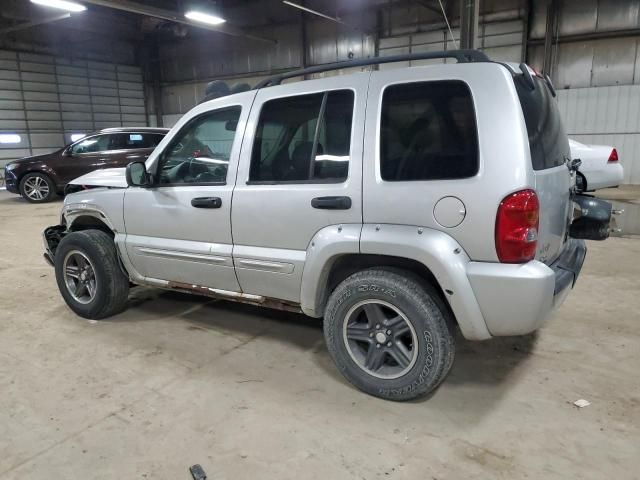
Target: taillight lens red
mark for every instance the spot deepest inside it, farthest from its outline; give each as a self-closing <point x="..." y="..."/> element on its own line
<point x="517" y="227"/>
<point x="613" y="156"/>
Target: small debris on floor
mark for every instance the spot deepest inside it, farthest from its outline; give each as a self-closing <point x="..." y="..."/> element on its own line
<point x="197" y="472"/>
<point x="582" y="403"/>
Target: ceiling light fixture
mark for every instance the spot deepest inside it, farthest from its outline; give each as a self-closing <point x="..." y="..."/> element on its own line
<point x="61" y="4"/>
<point x="9" y="138"/>
<point x="207" y="18"/>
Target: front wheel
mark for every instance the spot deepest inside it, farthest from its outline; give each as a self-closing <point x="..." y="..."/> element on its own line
<point x="389" y="334"/>
<point x="37" y="188"/>
<point x="89" y="276"/>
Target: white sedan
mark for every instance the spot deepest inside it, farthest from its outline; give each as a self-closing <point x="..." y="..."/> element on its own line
<point x="600" y="167"/>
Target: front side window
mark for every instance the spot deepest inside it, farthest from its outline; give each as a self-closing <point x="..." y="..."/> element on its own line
<point x="428" y="132"/>
<point x="306" y="138"/>
<point x="99" y="143"/>
<point x="200" y="152"/>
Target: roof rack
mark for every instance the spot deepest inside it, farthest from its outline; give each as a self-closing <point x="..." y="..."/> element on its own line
<point x="462" y="56"/>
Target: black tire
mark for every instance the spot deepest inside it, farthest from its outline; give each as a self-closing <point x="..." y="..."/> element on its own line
<point x="581" y="182"/>
<point x="422" y="308"/>
<point x="33" y="195"/>
<point x="111" y="286"/>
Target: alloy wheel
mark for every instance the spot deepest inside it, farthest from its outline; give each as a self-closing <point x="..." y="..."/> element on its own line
<point x="79" y="276"/>
<point x="36" y="188"/>
<point x="380" y="339"/>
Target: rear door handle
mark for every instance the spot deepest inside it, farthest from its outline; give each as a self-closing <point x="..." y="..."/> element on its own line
<point x="206" y="202"/>
<point x="331" y="203"/>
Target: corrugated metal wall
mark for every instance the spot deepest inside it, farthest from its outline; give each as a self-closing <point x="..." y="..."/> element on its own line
<point x="595" y="77"/>
<point x="44" y="99"/>
<point x="598" y="79"/>
<point x="606" y="116"/>
<point x="500" y="40"/>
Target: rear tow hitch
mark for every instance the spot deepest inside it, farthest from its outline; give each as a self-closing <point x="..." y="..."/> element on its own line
<point x="594" y="220"/>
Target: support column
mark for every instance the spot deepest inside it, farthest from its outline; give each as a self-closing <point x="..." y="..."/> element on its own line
<point x="469" y="13"/>
<point x="549" y="34"/>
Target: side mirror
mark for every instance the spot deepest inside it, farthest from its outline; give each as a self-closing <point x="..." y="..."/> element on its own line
<point x="136" y="175"/>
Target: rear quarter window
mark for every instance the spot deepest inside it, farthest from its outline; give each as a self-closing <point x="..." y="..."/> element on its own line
<point x="428" y="132"/>
<point x="547" y="138"/>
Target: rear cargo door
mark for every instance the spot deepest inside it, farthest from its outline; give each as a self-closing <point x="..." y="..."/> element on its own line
<point x="549" y="155"/>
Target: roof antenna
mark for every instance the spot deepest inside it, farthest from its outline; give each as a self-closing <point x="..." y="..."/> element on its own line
<point x="444" y="14"/>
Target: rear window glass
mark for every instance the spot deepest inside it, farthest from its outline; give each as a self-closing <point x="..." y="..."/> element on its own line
<point x="547" y="138"/>
<point x="428" y="132"/>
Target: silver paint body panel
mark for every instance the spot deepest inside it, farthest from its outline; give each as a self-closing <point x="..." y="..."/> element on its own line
<point x="267" y="240"/>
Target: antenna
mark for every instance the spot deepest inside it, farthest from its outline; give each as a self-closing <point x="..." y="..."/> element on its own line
<point x="444" y="14"/>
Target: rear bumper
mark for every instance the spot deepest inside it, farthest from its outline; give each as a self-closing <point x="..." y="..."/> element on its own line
<point x="517" y="299"/>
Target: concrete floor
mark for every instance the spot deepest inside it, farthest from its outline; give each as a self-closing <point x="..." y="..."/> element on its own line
<point x="248" y="393"/>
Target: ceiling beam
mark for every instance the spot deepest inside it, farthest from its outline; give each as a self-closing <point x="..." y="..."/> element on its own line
<point x="33" y="23"/>
<point x="133" y="7"/>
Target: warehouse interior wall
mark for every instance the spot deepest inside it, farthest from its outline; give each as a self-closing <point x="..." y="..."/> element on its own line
<point x="58" y="82"/>
<point x="592" y="57"/>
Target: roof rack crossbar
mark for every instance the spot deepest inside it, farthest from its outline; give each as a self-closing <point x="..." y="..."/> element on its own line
<point x="462" y="56"/>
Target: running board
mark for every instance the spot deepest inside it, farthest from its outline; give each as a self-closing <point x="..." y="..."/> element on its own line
<point x="248" y="298"/>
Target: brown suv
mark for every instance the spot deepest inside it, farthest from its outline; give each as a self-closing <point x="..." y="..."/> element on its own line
<point x="39" y="178"/>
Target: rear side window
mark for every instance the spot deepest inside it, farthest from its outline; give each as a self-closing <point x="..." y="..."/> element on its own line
<point x="303" y="139"/>
<point x="130" y="141"/>
<point x="428" y="132"/>
<point x="547" y="139"/>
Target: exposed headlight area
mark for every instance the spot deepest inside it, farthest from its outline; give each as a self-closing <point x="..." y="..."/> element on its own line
<point x="10" y="166"/>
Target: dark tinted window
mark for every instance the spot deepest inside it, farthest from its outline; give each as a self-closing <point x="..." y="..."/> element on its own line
<point x="428" y="132"/>
<point x="303" y="139"/>
<point x="547" y="139"/>
<point x="200" y="152"/>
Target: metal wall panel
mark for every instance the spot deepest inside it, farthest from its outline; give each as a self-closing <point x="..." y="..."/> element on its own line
<point x="609" y="116"/>
<point x="618" y="15"/>
<point x="44" y="99"/>
<point x="500" y="40"/>
<point x="613" y="62"/>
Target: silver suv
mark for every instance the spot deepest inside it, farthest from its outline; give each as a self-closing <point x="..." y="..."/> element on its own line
<point x="398" y="204"/>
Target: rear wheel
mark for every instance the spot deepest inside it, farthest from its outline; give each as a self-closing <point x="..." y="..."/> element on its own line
<point x="89" y="275"/>
<point x="37" y="188"/>
<point x="389" y="334"/>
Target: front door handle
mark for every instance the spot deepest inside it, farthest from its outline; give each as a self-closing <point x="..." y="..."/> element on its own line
<point x="331" y="203"/>
<point x="206" y="202"/>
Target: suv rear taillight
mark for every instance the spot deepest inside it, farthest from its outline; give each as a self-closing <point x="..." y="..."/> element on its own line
<point x="517" y="227"/>
<point x="613" y="156"/>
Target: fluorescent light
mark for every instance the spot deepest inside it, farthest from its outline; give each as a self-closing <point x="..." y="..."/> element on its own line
<point x="10" y="138"/>
<point x="61" y="4"/>
<point x="204" y="17"/>
<point x="77" y="136"/>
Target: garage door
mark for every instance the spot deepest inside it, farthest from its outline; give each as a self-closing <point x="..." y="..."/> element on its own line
<point x="44" y="100"/>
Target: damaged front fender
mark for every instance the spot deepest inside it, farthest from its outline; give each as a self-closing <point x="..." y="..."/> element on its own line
<point x="51" y="238"/>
